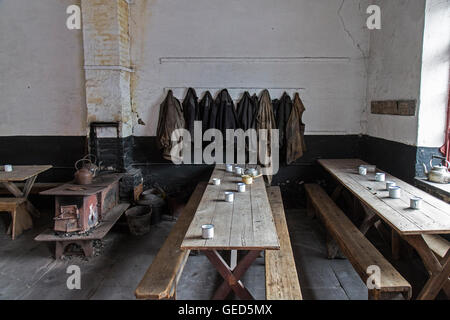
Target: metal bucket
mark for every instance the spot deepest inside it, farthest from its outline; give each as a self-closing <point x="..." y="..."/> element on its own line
<point x="157" y="204"/>
<point x="139" y="220"/>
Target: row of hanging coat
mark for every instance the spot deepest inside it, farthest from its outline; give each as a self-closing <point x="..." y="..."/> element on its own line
<point x="284" y="114"/>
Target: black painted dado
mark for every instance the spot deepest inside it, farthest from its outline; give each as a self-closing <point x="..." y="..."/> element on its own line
<point x="396" y="158"/>
<point x="401" y="160"/>
<point x="155" y="169"/>
<point x="60" y="151"/>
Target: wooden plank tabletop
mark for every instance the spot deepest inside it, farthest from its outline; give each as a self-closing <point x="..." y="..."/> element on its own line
<point x="246" y="224"/>
<point x="432" y="218"/>
<point x="22" y="173"/>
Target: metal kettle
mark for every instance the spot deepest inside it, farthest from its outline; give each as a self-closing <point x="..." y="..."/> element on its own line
<point x="439" y="173"/>
<point x="87" y="172"/>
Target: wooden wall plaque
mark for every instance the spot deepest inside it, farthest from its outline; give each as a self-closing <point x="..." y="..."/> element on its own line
<point x="394" y="107"/>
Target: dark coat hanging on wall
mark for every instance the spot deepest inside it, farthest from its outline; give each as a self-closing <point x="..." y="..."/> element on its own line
<point x="246" y="112"/>
<point x="226" y="112"/>
<point x="191" y="110"/>
<point x="282" y="117"/>
<point x="170" y="119"/>
<point x="265" y="120"/>
<point x="295" y="132"/>
<point x="205" y="109"/>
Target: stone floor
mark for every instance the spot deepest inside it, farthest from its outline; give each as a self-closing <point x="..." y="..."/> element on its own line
<point x="29" y="271"/>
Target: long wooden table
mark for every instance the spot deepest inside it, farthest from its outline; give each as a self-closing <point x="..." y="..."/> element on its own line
<point x="245" y="225"/>
<point x="412" y="225"/>
<point x="27" y="174"/>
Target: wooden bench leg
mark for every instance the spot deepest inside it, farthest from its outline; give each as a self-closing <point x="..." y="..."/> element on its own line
<point x="13" y="223"/>
<point x="310" y="212"/>
<point x="333" y="250"/>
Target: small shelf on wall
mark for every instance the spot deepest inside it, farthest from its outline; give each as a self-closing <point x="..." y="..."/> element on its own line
<point x="394" y="107"/>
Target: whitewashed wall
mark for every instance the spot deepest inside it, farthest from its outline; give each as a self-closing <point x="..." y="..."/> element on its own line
<point x="435" y="74"/>
<point x="315" y="47"/>
<point x="395" y="67"/>
<point x="41" y="76"/>
<point x="409" y="59"/>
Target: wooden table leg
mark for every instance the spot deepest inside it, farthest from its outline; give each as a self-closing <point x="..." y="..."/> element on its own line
<point x="11" y="187"/>
<point x="439" y="270"/>
<point x="232" y="277"/>
<point x="395" y="244"/>
<point x="337" y="192"/>
<point x="26" y="192"/>
<point x="28" y="186"/>
<point x="369" y="220"/>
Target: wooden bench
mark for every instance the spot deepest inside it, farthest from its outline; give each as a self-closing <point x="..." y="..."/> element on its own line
<point x="20" y="219"/>
<point x="160" y="280"/>
<point x="281" y="274"/>
<point x="355" y="246"/>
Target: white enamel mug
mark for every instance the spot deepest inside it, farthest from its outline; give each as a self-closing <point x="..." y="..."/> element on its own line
<point x="241" y="187"/>
<point x="415" y="203"/>
<point x="390" y="184"/>
<point x="362" y="170"/>
<point x="216" y="181"/>
<point x="238" y="170"/>
<point x="395" y="192"/>
<point x="208" y="231"/>
<point x="229" y="168"/>
<point x="380" y="177"/>
<point x="8" y="168"/>
<point x="229" y="196"/>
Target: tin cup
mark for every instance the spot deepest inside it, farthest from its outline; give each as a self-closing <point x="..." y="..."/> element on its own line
<point x="8" y="168"/>
<point x="395" y="192"/>
<point x="207" y="231"/>
<point x="241" y="187"/>
<point x="415" y="203"/>
<point x="362" y="170"/>
<point x="229" y="196"/>
<point x="238" y="171"/>
<point x="390" y="184"/>
<point x="229" y="168"/>
<point x="216" y="181"/>
<point x="380" y="177"/>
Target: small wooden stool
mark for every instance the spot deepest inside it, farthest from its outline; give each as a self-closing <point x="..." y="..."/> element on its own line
<point x="21" y="220"/>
